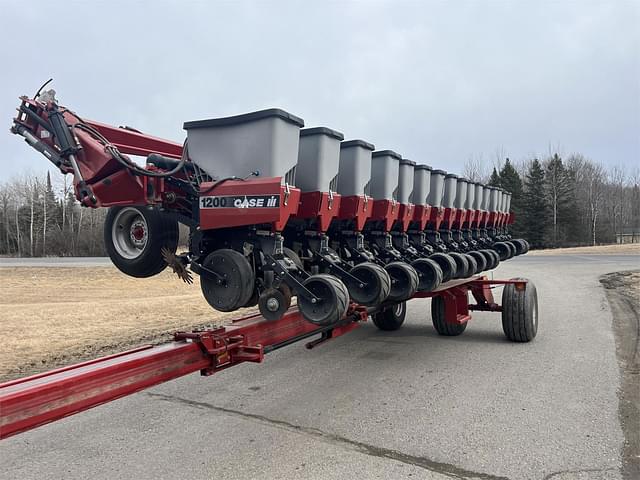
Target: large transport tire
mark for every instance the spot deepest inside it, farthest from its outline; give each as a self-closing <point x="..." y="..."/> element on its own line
<point x="239" y="280"/>
<point x="135" y="236"/>
<point x="376" y="281"/>
<point x="520" y="312"/>
<point x="447" y="265"/>
<point x="439" y="320"/>
<point x="462" y="265"/>
<point x="404" y="281"/>
<point x="429" y="274"/>
<point x="480" y="259"/>
<point x="334" y="300"/>
<point x="391" y="318"/>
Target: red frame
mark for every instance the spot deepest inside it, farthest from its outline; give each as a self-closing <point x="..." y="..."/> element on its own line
<point x="29" y="402"/>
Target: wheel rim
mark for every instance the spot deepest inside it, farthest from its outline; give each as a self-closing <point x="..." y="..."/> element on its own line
<point x="368" y="291"/>
<point x="129" y="233"/>
<point x="324" y="311"/>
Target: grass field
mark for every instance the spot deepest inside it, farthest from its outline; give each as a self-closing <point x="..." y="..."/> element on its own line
<point x="55" y="316"/>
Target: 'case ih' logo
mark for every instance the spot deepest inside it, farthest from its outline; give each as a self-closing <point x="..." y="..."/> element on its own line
<point x="240" y="201"/>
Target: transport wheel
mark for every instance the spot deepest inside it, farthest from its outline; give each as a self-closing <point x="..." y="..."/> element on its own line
<point x="462" y="265"/>
<point x="135" y="236"/>
<point x="375" y="286"/>
<point x="236" y="285"/>
<point x="447" y="265"/>
<point x="273" y="303"/>
<point x="480" y="259"/>
<point x="473" y="265"/>
<point x="404" y="281"/>
<point x="333" y="304"/>
<point x="391" y="318"/>
<point x="439" y="321"/>
<point x="429" y="274"/>
<point x="503" y="250"/>
<point x="520" y="312"/>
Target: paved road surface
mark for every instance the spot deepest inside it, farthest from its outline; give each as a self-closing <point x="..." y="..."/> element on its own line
<point x="56" y="262"/>
<point x="407" y="404"/>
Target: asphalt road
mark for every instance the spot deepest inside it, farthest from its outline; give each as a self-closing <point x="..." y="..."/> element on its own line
<point x="406" y="404"/>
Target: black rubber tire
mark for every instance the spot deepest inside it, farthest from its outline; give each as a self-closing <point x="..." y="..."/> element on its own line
<point x="334" y="296"/>
<point x="480" y="259"/>
<point x="503" y="250"/>
<point x="404" y="281"/>
<point x="493" y="259"/>
<point x="429" y="274"/>
<point x="269" y="311"/>
<point x="520" y="312"/>
<point x="462" y="265"/>
<point x="162" y="232"/>
<point x="473" y="265"/>
<point x="293" y="256"/>
<point x="391" y="318"/>
<point x="240" y="277"/>
<point x="447" y="265"/>
<point x="439" y="320"/>
<point x="378" y="284"/>
<point x="512" y="247"/>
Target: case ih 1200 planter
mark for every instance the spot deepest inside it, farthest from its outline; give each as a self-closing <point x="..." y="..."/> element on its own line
<point x="274" y="211"/>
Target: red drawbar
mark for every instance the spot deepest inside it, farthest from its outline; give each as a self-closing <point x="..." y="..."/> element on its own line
<point x="421" y="214"/>
<point x="405" y="216"/>
<point x="385" y="211"/>
<point x="236" y="216"/>
<point x="357" y="208"/>
<point x="320" y="206"/>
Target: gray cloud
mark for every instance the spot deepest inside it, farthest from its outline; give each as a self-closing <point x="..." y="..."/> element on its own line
<point x="436" y="81"/>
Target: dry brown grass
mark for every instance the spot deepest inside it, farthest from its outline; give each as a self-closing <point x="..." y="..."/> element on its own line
<point x="623" y="249"/>
<point x="56" y="316"/>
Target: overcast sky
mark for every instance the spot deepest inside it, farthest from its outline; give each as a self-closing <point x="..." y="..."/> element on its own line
<point x="439" y="82"/>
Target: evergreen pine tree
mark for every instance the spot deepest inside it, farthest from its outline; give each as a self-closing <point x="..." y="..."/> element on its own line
<point x="509" y="179"/>
<point x="494" y="180"/>
<point x="559" y="191"/>
<point x="535" y="210"/>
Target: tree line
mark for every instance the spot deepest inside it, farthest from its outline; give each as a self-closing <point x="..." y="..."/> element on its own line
<point x="557" y="202"/>
<point x="40" y="220"/>
<point x="567" y="202"/>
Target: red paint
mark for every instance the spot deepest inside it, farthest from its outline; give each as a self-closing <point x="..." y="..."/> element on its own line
<point x="321" y="206"/>
<point x="421" y="215"/>
<point x="386" y="212"/>
<point x="357" y="208"/>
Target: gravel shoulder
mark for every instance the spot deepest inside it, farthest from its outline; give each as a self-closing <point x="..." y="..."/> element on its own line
<point x="623" y="293"/>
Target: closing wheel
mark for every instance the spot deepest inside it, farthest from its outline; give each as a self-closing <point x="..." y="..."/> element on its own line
<point x="480" y="260"/>
<point x="429" y="274"/>
<point x="135" y="236"/>
<point x="374" y="287"/>
<point x="234" y="282"/>
<point x="491" y="258"/>
<point x="462" y="265"/>
<point x="333" y="300"/>
<point x="439" y="320"/>
<point x="391" y="318"/>
<point x="473" y="265"/>
<point x="404" y="281"/>
<point x="520" y="311"/>
<point x="503" y="250"/>
<point x="447" y="265"/>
